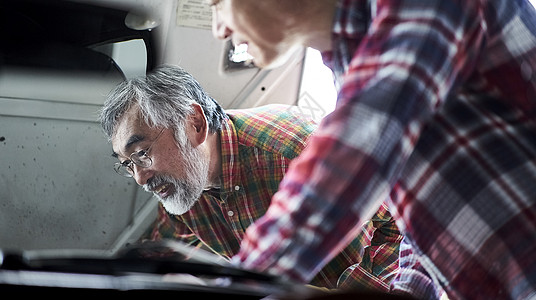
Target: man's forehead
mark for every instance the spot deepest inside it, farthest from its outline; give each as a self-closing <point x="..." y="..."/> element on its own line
<point x="130" y="128"/>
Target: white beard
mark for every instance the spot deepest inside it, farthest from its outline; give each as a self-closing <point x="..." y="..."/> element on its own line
<point x="186" y="192"/>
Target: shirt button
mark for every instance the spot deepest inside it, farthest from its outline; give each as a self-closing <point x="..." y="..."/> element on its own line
<point x="236" y="187"/>
<point x="230" y="213"/>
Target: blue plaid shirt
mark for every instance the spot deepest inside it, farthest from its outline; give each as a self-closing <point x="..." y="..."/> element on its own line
<point x="436" y="111"/>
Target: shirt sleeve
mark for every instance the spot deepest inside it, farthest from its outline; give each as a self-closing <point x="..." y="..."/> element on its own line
<point x="379" y="264"/>
<point x="416" y="52"/>
<point x="412" y="279"/>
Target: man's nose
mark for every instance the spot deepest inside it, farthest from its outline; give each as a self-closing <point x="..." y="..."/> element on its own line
<point x="141" y="174"/>
<point x="219" y="29"/>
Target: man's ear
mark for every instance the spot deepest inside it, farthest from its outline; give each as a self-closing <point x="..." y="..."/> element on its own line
<point x="197" y="126"/>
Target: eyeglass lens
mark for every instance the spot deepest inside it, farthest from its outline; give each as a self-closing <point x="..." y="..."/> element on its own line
<point x="139" y="158"/>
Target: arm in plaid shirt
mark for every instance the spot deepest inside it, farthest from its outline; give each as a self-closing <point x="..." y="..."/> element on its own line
<point x="436" y="108"/>
<point x="257" y="147"/>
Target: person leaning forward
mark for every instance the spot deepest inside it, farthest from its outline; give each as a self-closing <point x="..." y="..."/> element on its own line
<point x="436" y="109"/>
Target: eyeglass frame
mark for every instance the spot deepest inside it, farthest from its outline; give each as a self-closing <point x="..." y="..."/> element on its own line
<point x="129" y="163"/>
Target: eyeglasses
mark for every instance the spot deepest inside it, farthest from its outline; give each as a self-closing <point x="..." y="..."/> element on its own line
<point x="138" y="158"/>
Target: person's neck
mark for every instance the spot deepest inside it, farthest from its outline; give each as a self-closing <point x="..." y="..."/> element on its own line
<point x="215" y="168"/>
<point x="319" y="28"/>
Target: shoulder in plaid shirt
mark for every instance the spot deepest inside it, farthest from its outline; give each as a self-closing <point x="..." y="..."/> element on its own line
<point x="436" y="109"/>
<point x="257" y="147"/>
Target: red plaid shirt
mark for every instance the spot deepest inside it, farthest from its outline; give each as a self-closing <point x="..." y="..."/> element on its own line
<point x="437" y="109"/>
<point x="257" y="147"/>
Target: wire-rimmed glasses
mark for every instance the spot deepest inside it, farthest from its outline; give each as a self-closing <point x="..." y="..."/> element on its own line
<point x="139" y="158"/>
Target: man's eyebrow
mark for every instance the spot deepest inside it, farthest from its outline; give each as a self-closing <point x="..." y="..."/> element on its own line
<point x="131" y="141"/>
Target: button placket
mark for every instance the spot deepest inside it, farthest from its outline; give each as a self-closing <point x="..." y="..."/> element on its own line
<point x="230" y="212"/>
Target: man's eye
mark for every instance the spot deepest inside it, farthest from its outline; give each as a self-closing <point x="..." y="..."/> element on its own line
<point x="141" y="153"/>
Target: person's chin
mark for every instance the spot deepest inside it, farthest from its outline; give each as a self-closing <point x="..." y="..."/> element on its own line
<point x="176" y="208"/>
<point x="178" y="205"/>
<point x="268" y="64"/>
<point x="274" y="60"/>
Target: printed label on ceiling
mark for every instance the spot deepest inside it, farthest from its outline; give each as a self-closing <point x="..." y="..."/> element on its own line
<point x="194" y="13"/>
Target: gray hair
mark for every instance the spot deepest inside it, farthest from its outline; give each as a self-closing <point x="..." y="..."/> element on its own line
<point x="165" y="97"/>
